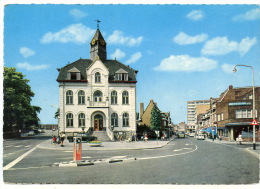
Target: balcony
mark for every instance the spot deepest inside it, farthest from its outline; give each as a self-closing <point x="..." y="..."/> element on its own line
<point x="93" y="104"/>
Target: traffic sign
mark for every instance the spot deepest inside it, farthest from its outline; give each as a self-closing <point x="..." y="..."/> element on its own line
<point x="254" y="122"/>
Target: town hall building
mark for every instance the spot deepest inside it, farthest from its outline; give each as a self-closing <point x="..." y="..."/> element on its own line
<point x="98" y="95"/>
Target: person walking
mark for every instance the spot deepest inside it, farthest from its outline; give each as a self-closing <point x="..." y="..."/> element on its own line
<point x="62" y="137"/>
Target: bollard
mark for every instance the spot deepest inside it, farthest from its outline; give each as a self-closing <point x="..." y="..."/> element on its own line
<point x="77" y="152"/>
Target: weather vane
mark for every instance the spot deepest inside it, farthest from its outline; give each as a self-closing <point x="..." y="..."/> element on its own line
<point x="98" y="21"/>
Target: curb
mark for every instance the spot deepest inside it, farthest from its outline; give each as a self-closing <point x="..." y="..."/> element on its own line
<point x="90" y="162"/>
<point x="54" y="148"/>
<point x="253" y="153"/>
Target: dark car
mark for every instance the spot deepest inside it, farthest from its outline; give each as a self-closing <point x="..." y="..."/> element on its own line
<point x="85" y="137"/>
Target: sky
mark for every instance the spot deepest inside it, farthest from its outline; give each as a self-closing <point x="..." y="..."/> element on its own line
<point x="181" y="52"/>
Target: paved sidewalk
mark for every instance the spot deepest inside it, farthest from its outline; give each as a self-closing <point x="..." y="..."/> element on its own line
<point x="248" y="146"/>
<point x="106" y="145"/>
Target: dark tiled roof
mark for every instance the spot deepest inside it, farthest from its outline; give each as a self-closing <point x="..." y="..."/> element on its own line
<point x="83" y="64"/>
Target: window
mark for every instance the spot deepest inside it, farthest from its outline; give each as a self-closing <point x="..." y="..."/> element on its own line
<point x="121" y="76"/>
<point x="81" y="120"/>
<point x="98" y="96"/>
<point x="125" y="120"/>
<point x="114" y="120"/>
<point x="73" y="75"/>
<point x="69" y="120"/>
<point x="125" y="97"/>
<point x="81" y="97"/>
<point x="244" y="114"/>
<point x="113" y="97"/>
<point x="97" y="77"/>
<point x="69" y="97"/>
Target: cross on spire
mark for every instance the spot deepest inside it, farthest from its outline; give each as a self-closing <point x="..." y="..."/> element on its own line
<point x="98" y="21"/>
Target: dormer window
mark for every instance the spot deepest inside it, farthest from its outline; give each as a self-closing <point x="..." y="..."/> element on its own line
<point x="121" y="75"/>
<point x="73" y="74"/>
<point x="97" y="77"/>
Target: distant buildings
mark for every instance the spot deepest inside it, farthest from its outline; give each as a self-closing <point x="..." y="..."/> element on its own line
<point x="231" y="113"/>
<point x="145" y="116"/>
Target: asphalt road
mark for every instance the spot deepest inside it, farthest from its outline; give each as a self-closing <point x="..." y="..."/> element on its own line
<point x="182" y="161"/>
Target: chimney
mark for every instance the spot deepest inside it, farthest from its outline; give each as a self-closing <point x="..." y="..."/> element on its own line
<point x="230" y="87"/>
<point x="141" y="109"/>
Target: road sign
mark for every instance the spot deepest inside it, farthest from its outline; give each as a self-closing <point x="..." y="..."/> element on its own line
<point x="254" y="122"/>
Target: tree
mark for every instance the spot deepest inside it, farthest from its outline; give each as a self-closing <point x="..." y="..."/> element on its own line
<point x="155" y="119"/>
<point x="18" y="111"/>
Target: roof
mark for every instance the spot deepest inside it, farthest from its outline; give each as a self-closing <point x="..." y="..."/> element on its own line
<point x="82" y="64"/>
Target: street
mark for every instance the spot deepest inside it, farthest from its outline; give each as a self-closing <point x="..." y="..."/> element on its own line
<point x="182" y="161"/>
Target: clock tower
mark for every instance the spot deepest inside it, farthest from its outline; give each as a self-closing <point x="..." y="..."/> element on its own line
<point x="98" y="47"/>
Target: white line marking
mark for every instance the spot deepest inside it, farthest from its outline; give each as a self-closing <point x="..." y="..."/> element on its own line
<point x="177" y="150"/>
<point x="18" y="159"/>
<point x="168" y="155"/>
<point x="67" y="151"/>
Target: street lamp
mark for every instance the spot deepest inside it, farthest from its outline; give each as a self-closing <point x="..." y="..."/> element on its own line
<point x="234" y="70"/>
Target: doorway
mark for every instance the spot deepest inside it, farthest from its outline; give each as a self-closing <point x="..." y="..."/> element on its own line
<point x="98" y="122"/>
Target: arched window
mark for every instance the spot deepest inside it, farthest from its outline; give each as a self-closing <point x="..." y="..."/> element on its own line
<point x="69" y="120"/>
<point x="125" y="120"/>
<point x="82" y="120"/>
<point x="69" y="97"/>
<point x="81" y="97"/>
<point x="114" y="120"/>
<point x="98" y="96"/>
<point x="113" y="97"/>
<point x="97" y="77"/>
<point x="125" y="97"/>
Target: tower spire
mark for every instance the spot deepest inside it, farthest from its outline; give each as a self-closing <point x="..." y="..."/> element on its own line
<point x="98" y="21"/>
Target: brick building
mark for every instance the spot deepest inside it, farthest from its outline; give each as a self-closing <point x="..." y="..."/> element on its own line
<point x="234" y="110"/>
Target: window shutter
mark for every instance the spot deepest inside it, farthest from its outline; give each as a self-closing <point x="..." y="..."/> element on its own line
<point x="78" y="76"/>
<point x="68" y="76"/>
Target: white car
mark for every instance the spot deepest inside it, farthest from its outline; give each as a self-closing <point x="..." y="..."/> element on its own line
<point x="191" y="134"/>
<point x="200" y="137"/>
<point x="30" y="133"/>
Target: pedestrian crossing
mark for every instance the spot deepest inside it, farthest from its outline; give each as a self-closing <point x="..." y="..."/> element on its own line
<point x="17" y="146"/>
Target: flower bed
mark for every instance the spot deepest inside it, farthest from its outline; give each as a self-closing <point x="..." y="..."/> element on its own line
<point x="95" y="143"/>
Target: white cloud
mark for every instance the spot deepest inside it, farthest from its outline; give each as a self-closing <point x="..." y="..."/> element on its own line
<point x="221" y="46"/>
<point x="195" y="15"/>
<point x="77" y="33"/>
<point x="253" y="14"/>
<point x="227" y="68"/>
<point x="135" y="57"/>
<point x="186" y="63"/>
<point x="26" y="52"/>
<point x="118" y="54"/>
<point x="184" y="39"/>
<point x="118" y="38"/>
<point x="30" y="67"/>
<point x="77" y="14"/>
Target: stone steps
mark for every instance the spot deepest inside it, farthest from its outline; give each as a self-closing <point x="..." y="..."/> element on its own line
<point x="102" y="136"/>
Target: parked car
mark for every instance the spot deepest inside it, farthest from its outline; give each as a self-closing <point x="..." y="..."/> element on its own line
<point x="30" y="133"/>
<point x="200" y="137"/>
<point x="181" y="134"/>
<point x="192" y="134"/>
<point x="85" y="137"/>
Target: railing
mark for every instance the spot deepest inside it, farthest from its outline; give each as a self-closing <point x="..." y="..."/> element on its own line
<point x="98" y="104"/>
<point x="110" y="133"/>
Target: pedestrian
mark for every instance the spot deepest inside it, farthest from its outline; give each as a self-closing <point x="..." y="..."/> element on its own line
<point x="121" y="138"/>
<point x="54" y="140"/>
<point x="145" y="137"/>
<point x="62" y="137"/>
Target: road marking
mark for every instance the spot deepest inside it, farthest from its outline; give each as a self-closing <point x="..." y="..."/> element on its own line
<point x="18" y="159"/>
<point x="68" y="151"/>
<point x="177" y="150"/>
<point x="157" y="157"/>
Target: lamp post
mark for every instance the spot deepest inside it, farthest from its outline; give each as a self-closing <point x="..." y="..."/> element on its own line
<point x="234" y="70"/>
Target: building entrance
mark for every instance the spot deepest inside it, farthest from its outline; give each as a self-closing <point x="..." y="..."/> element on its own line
<point x="98" y="122"/>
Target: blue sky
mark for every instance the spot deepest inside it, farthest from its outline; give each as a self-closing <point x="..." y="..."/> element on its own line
<point x="182" y="52"/>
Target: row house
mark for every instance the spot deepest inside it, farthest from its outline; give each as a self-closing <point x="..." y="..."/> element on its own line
<point x="145" y="116"/>
<point x="232" y="112"/>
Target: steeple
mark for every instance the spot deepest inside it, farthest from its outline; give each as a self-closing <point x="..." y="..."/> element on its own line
<point x="98" y="46"/>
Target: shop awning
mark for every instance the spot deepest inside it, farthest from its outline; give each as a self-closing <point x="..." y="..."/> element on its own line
<point x="238" y="124"/>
